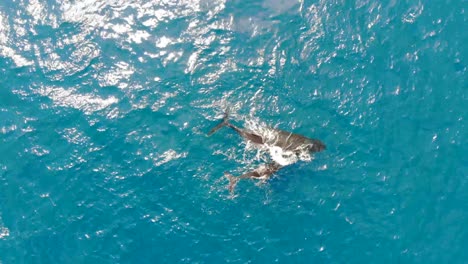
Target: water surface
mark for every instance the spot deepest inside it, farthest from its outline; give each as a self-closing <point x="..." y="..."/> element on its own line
<point x="104" y="107"/>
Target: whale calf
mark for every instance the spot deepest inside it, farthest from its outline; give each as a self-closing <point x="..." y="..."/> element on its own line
<point x="287" y="141"/>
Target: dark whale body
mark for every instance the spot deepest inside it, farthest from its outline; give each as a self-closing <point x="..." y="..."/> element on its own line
<point x="287" y="141"/>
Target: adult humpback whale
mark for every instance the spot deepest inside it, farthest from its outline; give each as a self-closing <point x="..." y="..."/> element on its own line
<point x="287" y="141"/>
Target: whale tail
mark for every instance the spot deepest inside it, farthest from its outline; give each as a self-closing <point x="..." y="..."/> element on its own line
<point x="232" y="182"/>
<point x="223" y="123"/>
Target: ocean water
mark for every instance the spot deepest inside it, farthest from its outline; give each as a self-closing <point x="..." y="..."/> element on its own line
<point x="105" y="106"/>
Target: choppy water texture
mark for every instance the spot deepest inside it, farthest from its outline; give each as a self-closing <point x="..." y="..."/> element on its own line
<point x="104" y="107"/>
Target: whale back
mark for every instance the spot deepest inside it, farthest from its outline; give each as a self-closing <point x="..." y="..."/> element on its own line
<point x="289" y="141"/>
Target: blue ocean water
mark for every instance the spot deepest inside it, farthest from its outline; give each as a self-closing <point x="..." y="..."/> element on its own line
<point x="105" y="105"/>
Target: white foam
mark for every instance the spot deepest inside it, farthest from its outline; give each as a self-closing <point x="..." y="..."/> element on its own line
<point x="4" y="232"/>
<point x="282" y="157"/>
<point x="168" y="156"/>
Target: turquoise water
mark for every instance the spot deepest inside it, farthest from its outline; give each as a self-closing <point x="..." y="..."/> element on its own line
<point x="104" y="107"/>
